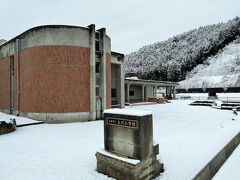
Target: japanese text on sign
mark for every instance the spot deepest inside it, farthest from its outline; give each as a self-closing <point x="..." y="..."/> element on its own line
<point x="122" y="122"/>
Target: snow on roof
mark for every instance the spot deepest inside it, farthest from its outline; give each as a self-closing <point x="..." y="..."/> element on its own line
<point x="130" y="112"/>
<point x="134" y="78"/>
<point x="153" y="82"/>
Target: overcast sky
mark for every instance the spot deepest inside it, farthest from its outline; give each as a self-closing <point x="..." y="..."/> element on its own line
<point x="131" y="24"/>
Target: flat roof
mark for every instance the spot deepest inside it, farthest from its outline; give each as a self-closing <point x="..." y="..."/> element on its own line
<point x="149" y="82"/>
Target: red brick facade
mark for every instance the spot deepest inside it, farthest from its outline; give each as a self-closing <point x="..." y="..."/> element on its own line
<point x="54" y="79"/>
<point x="4" y="83"/>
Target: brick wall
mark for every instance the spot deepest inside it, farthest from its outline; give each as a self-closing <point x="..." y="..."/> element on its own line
<point x="4" y="83"/>
<point x="55" y="79"/>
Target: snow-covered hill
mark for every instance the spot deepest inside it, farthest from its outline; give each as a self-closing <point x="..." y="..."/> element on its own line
<point x="222" y="70"/>
<point x="172" y="59"/>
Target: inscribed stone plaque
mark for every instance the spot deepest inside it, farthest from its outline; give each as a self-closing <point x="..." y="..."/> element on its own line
<point x="128" y="133"/>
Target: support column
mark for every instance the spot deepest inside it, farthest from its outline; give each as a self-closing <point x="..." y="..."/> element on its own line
<point x="174" y="92"/>
<point x="143" y="92"/>
<point x="127" y="92"/>
<point x="168" y="92"/>
<point x="92" y="72"/>
<point x="155" y="91"/>
<point x="122" y="103"/>
<point x="103" y="92"/>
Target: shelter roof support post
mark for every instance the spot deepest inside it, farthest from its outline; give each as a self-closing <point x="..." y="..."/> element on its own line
<point x="143" y="93"/>
<point x="127" y="92"/>
<point x="174" y="92"/>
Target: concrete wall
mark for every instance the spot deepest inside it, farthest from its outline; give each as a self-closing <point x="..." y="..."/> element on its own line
<point x="118" y="78"/>
<point x="137" y="92"/>
<point x="149" y="92"/>
<point x="47" y="35"/>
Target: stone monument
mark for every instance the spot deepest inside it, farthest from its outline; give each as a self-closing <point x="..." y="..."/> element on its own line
<point x="129" y="152"/>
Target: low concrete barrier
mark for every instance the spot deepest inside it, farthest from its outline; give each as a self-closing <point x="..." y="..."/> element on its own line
<point x="156" y="100"/>
<point x="215" y="164"/>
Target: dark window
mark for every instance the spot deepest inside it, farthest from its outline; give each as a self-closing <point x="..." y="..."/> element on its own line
<point x="212" y="94"/>
<point x="97" y="35"/>
<point x="97" y="67"/>
<point x="114" y="93"/>
<point x="97" y="47"/>
<point x="131" y="93"/>
<point x="97" y="91"/>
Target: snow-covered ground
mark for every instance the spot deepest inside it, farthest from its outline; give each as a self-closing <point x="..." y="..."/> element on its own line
<point x="188" y="136"/>
<point x="230" y="169"/>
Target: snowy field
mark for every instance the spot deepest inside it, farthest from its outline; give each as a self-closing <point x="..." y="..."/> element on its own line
<point x="230" y="170"/>
<point x="188" y="136"/>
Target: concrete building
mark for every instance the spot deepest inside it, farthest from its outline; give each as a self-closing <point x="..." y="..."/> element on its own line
<point x="139" y="90"/>
<point x="59" y="73"/>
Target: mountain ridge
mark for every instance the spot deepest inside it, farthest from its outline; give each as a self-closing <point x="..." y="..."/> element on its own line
<point x="172" y="59"/>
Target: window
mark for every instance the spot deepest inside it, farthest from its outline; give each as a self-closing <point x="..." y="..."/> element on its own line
<point x="131" y="93"/>
<point x="97" y="91"/>
<point x="97" y="67"/>
<point x="97" y="46"/>
<point x="114" y="93"/>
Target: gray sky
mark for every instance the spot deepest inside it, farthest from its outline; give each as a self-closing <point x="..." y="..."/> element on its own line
<point x="131" y="24"/>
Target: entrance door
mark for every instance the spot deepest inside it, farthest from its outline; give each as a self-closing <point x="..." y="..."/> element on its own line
<point x="11" y="84"/>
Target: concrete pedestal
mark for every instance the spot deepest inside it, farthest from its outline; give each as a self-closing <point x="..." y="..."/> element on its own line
<point x="125" y="169"/>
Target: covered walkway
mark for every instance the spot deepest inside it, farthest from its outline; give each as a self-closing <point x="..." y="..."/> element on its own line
<point x="137" y="90"/>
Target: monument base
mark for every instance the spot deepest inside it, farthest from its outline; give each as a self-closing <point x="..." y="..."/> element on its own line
<point x="127" y="169"/>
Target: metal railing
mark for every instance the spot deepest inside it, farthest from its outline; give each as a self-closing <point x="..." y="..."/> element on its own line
<point x="225" y="98"/>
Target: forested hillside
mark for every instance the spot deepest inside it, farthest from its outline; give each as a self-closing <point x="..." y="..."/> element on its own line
<point x="172" y="59"/>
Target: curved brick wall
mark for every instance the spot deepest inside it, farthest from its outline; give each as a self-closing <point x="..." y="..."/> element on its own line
<point x="4" y="84"/>
<point x="54" y="79"/>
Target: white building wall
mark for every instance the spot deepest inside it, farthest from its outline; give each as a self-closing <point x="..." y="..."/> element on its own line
<point x="149" y="92"/>
<point x="137" y="92"/>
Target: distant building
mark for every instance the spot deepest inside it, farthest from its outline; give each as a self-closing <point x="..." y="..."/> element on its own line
<point x="140" y="90"/>
<point x="59" y="73"/>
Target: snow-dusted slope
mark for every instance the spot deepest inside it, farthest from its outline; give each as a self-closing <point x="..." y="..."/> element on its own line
<point x="172" y="59"/>
<point x="222" y="70"/>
